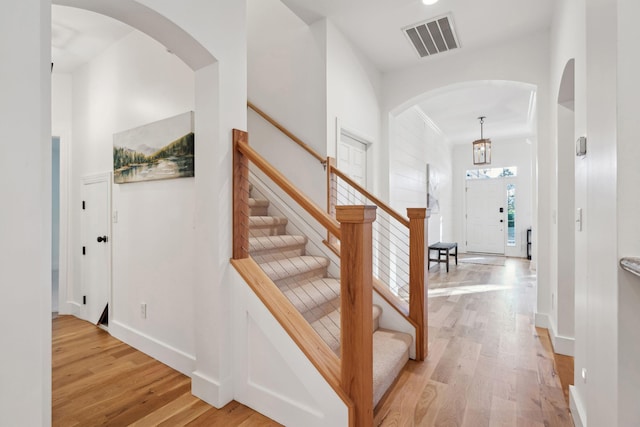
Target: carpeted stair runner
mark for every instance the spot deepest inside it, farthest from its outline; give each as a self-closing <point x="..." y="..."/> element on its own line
<point x="304" y="281"/>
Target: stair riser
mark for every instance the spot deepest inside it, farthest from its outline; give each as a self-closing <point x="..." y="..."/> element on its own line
<point x="315" y="313"/>
<point x="264" y="230"/>
<point x="277" y="254"/>
<point x="294" y="280"/>
<point x="259" y="211"/>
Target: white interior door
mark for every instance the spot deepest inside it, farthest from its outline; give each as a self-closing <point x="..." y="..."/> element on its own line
<point x="486" y="215"/>
<point x="352" y="160"/>
<point x="96" y="245"/>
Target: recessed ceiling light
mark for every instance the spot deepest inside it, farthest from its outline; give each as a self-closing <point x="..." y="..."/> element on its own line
<point x="429" y="2"/>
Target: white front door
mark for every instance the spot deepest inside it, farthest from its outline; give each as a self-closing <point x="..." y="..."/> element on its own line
<point x="486" y="215"/>
<point x="96" y="245"/>
<point x="352" y="160"/>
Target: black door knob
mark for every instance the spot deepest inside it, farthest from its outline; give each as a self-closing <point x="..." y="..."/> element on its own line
<point x="502" y="220"/>
<point x="102" y="239"/>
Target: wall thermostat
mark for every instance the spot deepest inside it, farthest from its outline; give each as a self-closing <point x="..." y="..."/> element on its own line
<point x="581" y="146"/>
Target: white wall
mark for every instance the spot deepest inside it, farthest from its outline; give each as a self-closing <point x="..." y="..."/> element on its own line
<point x="312" y="80"/>
<point x="628" y="204"/>
<point x="568" y="40"/>
<point x="504" y="153"/>
<point x="353" y="93"/>
<point x="153" y="242"/>
<point x="415" y="143"/>
<point x="287" y="78"/>
<point x="563" y="296"/>
<point x="602" y="270"/>
<point x="25" y="246"/>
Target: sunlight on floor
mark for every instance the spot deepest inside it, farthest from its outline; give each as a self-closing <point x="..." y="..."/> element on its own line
<point x="463" y="290"/>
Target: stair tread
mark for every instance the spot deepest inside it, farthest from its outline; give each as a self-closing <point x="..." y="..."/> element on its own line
<point x="328" y="327"/>
<point x="262" y="243"/>
<point x="257" y="202"/>
<point x="289" y="267"/>
<point x="390" y="354"/>
<point x="267" y="220"/>
<point x="313" y="293"/>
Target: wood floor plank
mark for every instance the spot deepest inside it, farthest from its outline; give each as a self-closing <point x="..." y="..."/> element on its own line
<point x="492" y="367"/>
<point x="98" y="380"/>
<point x="487" y="365"/>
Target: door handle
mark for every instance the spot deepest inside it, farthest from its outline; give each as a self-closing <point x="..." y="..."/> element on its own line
<point x="103" y="239"/>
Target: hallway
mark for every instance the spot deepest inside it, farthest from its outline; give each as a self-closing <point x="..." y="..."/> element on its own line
<point x="488" y="365"/>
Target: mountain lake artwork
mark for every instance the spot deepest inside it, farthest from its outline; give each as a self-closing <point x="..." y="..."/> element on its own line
<point x="158" y="150"/>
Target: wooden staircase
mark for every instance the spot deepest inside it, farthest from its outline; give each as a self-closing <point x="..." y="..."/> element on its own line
<point x="305" y="281"/>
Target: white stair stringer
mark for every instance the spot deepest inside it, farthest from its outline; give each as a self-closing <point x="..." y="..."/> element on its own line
<point x="272" y="374"/>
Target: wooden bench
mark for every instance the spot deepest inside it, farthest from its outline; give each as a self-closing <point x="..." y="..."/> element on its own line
<point x="444" y="251"/>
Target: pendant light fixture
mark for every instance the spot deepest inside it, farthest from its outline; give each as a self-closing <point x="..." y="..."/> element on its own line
<point x="482" y="147"/>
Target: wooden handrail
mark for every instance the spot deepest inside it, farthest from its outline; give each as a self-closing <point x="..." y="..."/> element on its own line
<point x="382" y="205"/>
<point x="291" y="136"/>
<point x="306" y="203"/>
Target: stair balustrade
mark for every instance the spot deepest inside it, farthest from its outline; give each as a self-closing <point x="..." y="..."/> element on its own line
<point x="398" y="250"/>
<point x="377" y="250"/>
<point x="276" y="265"/>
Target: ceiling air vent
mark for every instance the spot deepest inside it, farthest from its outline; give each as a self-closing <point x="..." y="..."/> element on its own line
<point x="434" y="36"/>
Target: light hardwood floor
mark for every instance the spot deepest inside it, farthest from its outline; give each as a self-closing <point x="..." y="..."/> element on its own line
<point x="488" y="365"/>
<point x="100" y="381"/>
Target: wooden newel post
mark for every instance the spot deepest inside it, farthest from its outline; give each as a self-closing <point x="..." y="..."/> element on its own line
<point x="240" y="197"/>
<point x="417" y="285"/>
<point x="356" y="308"/>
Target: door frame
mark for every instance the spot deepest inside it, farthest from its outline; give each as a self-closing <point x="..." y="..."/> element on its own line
<point x="94" y="179"/>
<point x="362" y="138"/>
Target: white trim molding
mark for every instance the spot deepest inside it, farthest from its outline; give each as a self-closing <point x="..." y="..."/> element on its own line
<point x="577" y="409"/>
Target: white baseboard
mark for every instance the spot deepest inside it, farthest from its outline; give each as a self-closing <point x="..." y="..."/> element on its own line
<point x="70" y="307"/>
<point x="165" y="353"/>
<point x="561" y="344"/>
<point x="215" y="393"/>
<point x="542" y="320"/>
<point x="577" y="409"/>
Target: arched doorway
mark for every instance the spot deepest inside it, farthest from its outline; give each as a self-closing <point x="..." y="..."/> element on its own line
<point x="172" y="335"/>
<point x="437" y="128"/>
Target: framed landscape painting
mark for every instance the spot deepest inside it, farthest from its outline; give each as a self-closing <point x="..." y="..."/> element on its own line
<point x="158" y="150"/>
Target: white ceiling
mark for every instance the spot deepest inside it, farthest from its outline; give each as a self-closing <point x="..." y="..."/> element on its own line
<point x="509" y="108"/>
<point x="77" y="36"/>
<point x="375" y="27"/>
